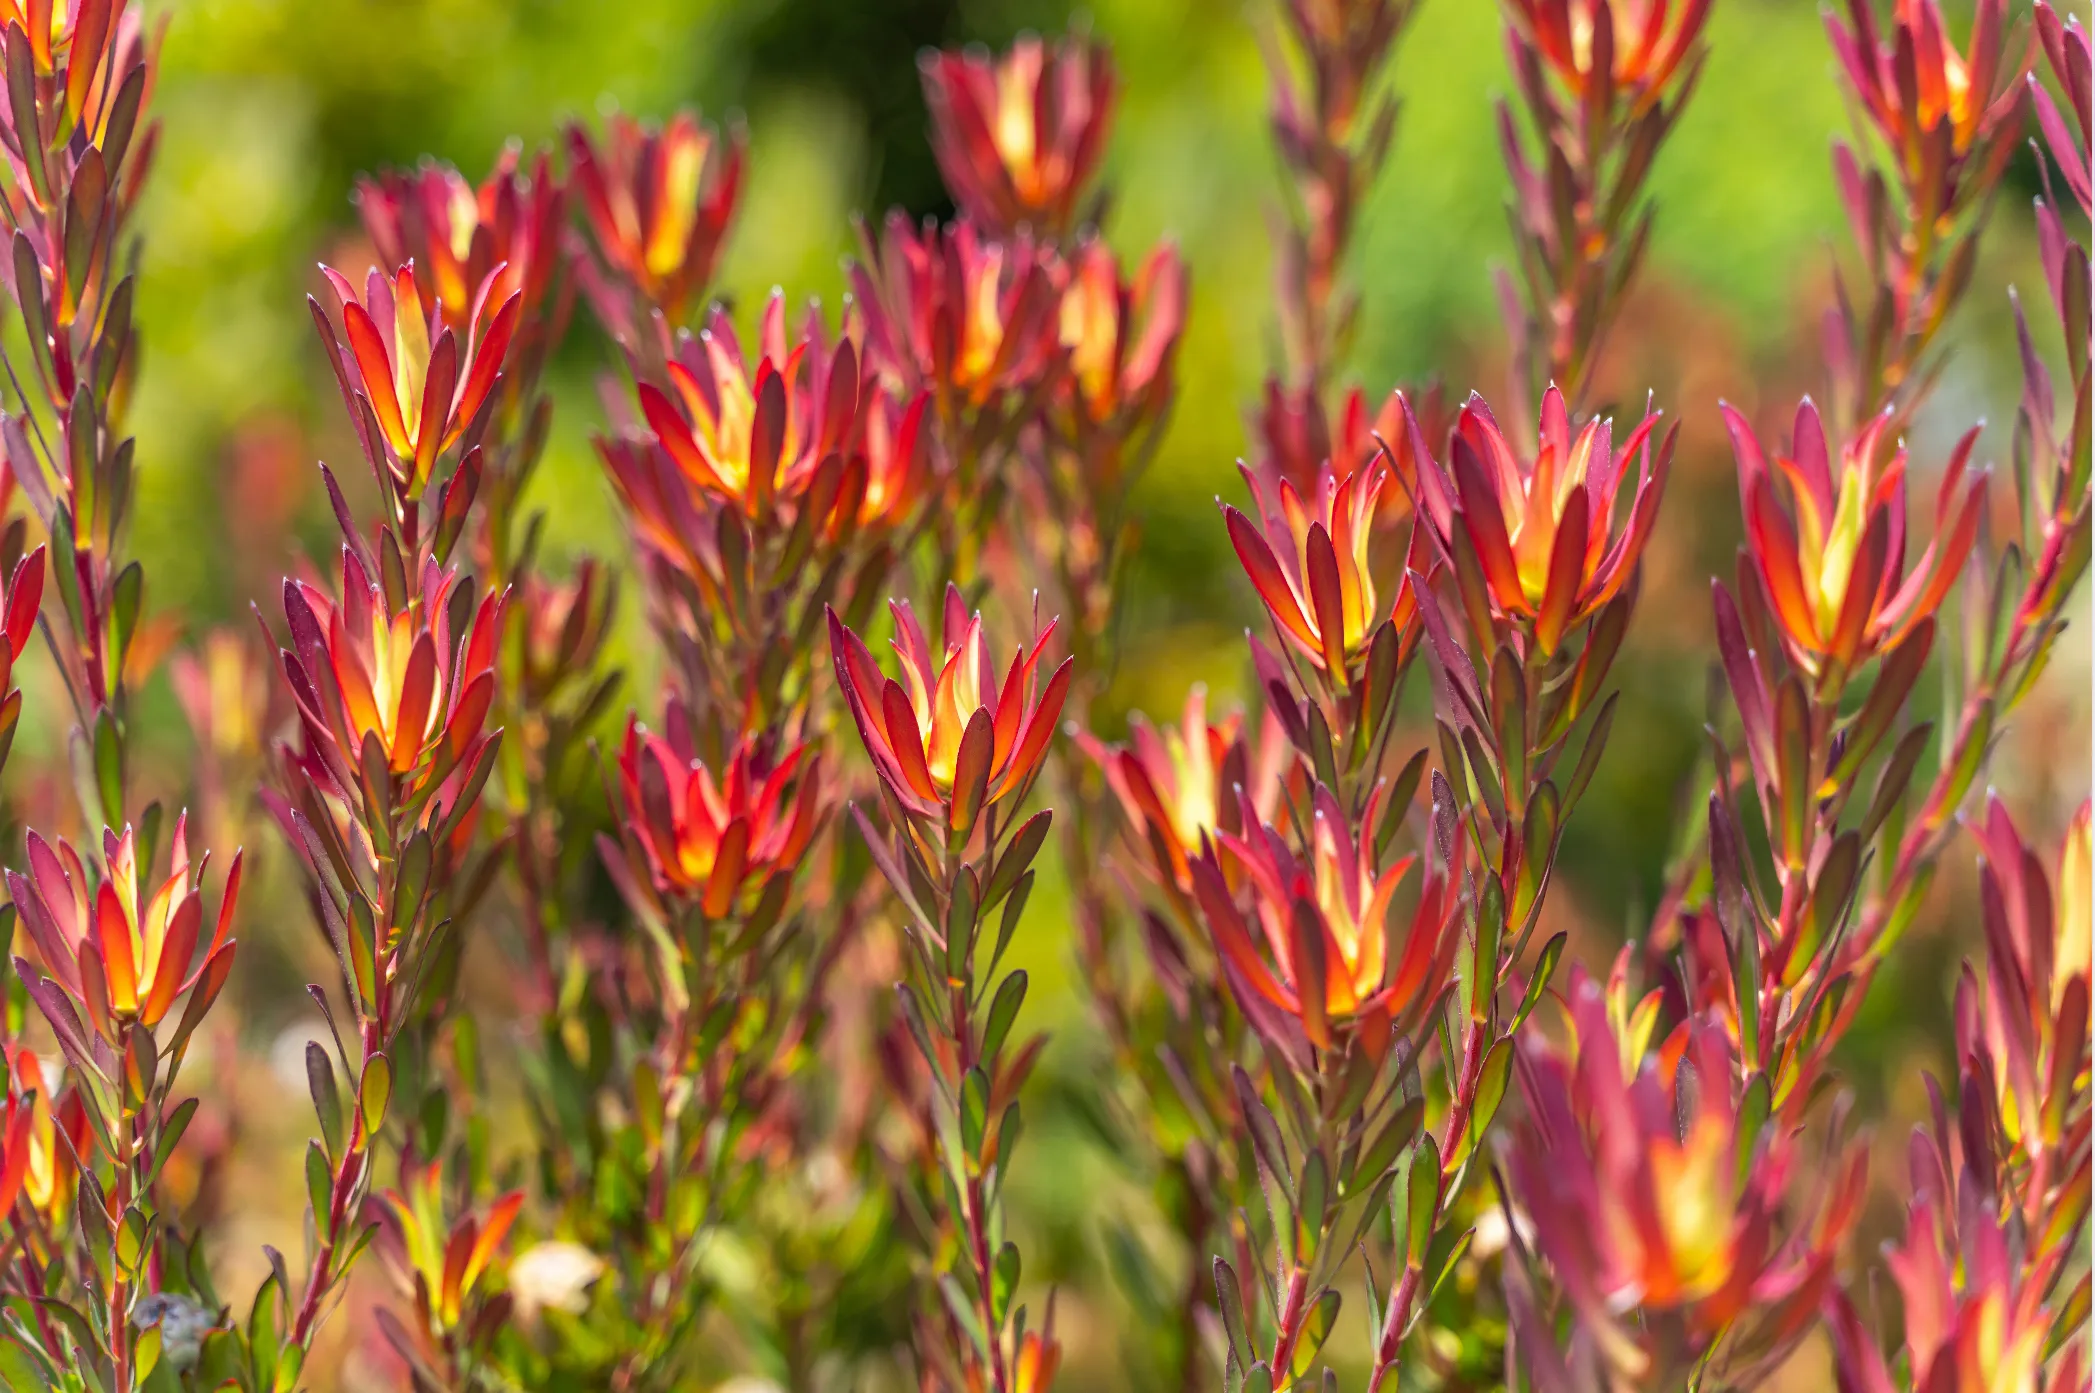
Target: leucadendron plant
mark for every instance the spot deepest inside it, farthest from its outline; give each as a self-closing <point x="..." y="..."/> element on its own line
<point x="679" y="1036"/>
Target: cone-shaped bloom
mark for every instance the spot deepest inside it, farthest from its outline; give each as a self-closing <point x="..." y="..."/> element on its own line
<point x="658" y="202"/>
<point x="1662" y="1201"/>
<point x="950" y="311"/>
<point x="2023" y="1036"/>
<point x="748" y="436"/>
<point x="459" y="236"/>
<point x="1308" y="560"/>
<point x="389" y="688"/>
<point x="1982" y="1311"/>
<point x="896" y="450"/>
<point x="1831" y="549"/>
<point x="1321" y="957"/>
<point x="705" y="838"/>
<point x="948" y="739"/>
<point x="1121" y="338"/>
<point x="444" y="1262"/>
<point x="423" y="383"/>
<point x="1018" y="138"/>
<point x="34" y="1165"/>
<point x="1637" y="45"/>
<point x="122" y="955"/>
<point x="1542" y="532"/>
<point x="1177" y="786"/>
<point x="1933" y="105"/>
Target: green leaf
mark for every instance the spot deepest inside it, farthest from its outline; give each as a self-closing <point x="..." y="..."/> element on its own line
<point x="1230" y="1297"/>
<point x="1004" y="1279"/>
<point x="109" y="768"/>
<point x="1422" y="1205"/>
<point x="319" y="1190"/>
<point x="1396" y="1134"/>
<point x="1538" y="981"/>
<point x="960" y="927"/>
<point x="171" y="1135"/>
<point x="374" y="1093"/>
<point x="974" y="1115"/>
<point x="1003" y="1012"/>
<point x="327" y="1097"/>
<point x="1491" y="1089"/>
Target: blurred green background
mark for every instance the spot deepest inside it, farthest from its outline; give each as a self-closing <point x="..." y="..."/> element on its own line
<point x="271" y="107"/>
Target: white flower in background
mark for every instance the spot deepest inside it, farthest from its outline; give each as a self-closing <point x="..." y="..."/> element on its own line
<point x="553" y="1276"/>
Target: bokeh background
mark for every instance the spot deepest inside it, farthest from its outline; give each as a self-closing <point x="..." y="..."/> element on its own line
<point x="271" y="107"/>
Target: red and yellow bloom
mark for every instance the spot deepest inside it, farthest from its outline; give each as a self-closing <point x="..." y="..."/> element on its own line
<point x="1640" y="44"/>
<point x="1662" y="1204"/>
<point x="458" y="236"/>
<point x="1932" y="104"/>
<point x="1830" y="550"/>
<point x="123" y="956"/>
<point x="1309" y="563"/>
<point x="1120" y="337"/>
<point x="748" y="436"/>
<point x="1541" y="531"/>
<point x="948" y="739"/>
<point x="423" y="383"/>
<point x="1334" y="968"/>
<point x="393" y="681"/>
<point x="1018" y="138"/>
<point x="705" y="838"/>
<point x="1178" y="786"/>
<point x="658" y="201"/>
<point x="444" y="1262"/>
<point x="954" y="313"/>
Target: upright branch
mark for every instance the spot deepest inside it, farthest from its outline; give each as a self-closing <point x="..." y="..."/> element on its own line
<point x="1333" y="119"/>
<point x="78" y="147"/>
<point x="956" y="751"/>
<point x="112" y="947"/>
<point x="392" y="673"/>
<point x="1342" y="990"/>
<point x="115" y="953"/>
<point x="1525" y="582"/>
<point x="1601" y="83"/>
<point x="1936" y="128"/>
<point x="507" y="233"/>
<point x="1996" y="1224"/>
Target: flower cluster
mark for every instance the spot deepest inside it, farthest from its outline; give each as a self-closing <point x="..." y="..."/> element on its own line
<point x="1662" y="1197"/>
<point x="1019" y="136"/>
<point x="1827" y="540"/>
<point x="1339" y="968"/>
<point x="659" y="201"/>
<point x="948" y="740"/>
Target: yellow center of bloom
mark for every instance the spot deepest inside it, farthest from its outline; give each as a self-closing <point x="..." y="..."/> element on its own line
<point x="410" y="353"/>
<point x="1090" y="331"/>
<point x="464" y="217"/>
<point x="1194" y="808"/>
<point x="982" y="327"/>
<point x="676" y="210"/>
<point x="952" y="704"/>
<point x="1532" y="515"/>
<point x="2076" y="908"/>
<point x="1691" y="1189"/>
<point x="1013" y="133"/>
<point x="1826" y="555"/>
